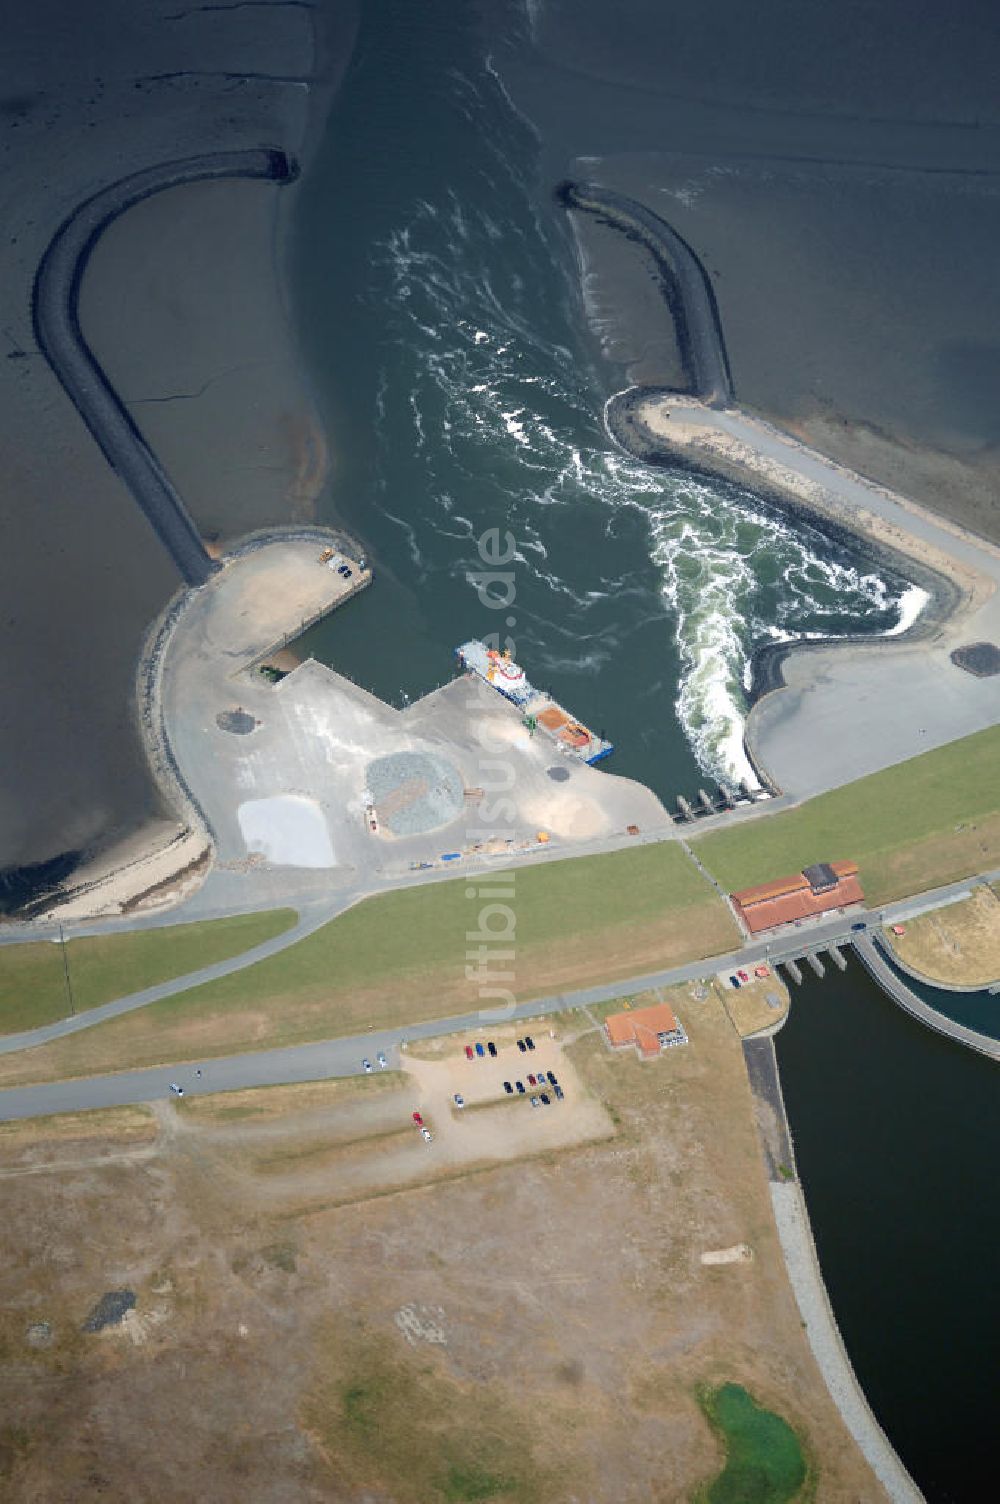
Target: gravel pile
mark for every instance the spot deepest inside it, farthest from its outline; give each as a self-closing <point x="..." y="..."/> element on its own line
<point x="415" y="791"/>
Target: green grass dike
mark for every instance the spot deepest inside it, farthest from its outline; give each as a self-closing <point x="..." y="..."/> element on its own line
<point x="764" y="1458"/>
<point x="919" y="825"/>
<point x="400" y="957"/>
<point x="33" y="977"/>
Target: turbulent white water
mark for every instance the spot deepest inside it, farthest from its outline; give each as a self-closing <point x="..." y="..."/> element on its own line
<point x="505" y="404"/>
<point x="488" y="414"/>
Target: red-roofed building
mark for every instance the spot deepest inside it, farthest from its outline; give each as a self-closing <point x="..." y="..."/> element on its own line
<point x="650" y="1030"/>
<point x="816" y="890"/>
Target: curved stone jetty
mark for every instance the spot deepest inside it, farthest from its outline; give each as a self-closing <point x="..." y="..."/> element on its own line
<point x="55" y="314"/>
<point x="689" y="292"/>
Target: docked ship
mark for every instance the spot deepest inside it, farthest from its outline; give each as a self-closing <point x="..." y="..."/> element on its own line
<point x="541" y="712"/>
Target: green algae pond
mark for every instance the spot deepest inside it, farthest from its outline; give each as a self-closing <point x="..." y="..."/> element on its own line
<point x="764" y="1459"/>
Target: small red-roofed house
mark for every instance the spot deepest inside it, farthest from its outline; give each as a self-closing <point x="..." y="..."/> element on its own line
<point x="649" y="1030"/>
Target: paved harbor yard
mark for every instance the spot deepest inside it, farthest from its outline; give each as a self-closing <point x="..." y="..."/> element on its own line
<point x="287" y="774"/>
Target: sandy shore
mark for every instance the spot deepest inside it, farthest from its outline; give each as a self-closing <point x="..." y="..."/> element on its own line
<point x="155" y="868"/>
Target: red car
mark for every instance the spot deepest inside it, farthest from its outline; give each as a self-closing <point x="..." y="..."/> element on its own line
<point x="469" y="1052"/>
<point x="531" y="1081"/>
<point x="418" y="1120"/>
<point x="744" y="976"/>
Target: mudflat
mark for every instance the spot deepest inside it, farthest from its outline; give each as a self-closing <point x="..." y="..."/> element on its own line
<point x="841" y="194"/>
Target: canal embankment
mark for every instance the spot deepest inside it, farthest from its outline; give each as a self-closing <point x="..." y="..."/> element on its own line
<point x="890" y="978"/>
<point x="806" y="1277"/>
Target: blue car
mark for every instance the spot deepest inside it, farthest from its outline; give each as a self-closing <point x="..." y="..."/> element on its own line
<point x="480" y="1050"/>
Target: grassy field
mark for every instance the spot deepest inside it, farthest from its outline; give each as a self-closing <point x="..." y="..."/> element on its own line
<point x="266" y="1104"/>
<point x="394" y="1415"/>
<point x="764" y="1461"/>
<point x="125" y="1125"/>
<point x="924" y="823"/>
<point x="33" y="987"/>
<point x="400" y="958"/>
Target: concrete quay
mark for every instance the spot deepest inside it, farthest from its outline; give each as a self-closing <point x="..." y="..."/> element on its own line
<point x="313" y="775"/>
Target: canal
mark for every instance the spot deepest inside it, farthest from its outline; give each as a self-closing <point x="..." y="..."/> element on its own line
<point x="897" y="1137"/>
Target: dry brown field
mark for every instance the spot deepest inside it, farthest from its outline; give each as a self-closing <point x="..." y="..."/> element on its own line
<point x="959" y="943"/>
<point x="327" y="1307"/>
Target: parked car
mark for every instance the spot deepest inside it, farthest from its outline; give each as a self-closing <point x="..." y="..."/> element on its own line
<point x="469" y="1052"/>
<point x="735" y="981"/>
<point x="532" y="1081"/>
<point x="480" y="1051"/>
<point x="382" y="1062"/>
<point x="521" y="1046"/>
<point x="459" y="1099"/>
<point x="427" y="1135"/>
<point x="744" y="976"/>
<point x="552" y="1078"/>
<point x="492" y="1048"/>
<point x="418" y="1120"/>
<point x="345" y="571"/>
<point x="535" y="1102"/>
<point x="520" y="1088"/>
<point x="559" y="1092"/>
<point x="508" y="1088"/>
<point x="529" y="1041"/>
<point x="367" y="1064"/>
<point x="544" y="1099"/>
<point x="178" y="1091"/>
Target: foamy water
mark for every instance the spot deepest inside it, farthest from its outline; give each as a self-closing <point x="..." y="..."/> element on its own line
<point x="731" y="572"/>
<point x="488" y="414"/>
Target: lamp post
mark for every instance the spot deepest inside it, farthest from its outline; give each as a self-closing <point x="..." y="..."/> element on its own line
<point x="69" y="984"/>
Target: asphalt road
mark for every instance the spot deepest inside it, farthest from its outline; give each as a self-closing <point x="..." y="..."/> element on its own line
<point x="310" y="919"/>
<point x="343" y="1057"/>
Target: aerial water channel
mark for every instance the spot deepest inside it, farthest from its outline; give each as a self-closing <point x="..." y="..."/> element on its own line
<point x="439" y="300"/>
<point x="896" y="1141"/>
<point x="441" y="304"/>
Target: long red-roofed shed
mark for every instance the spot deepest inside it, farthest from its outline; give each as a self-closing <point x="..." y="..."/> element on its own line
<point x="816" y="890"/>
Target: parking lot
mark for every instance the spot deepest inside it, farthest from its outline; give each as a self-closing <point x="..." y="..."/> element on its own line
<point x="489" y="1122"/>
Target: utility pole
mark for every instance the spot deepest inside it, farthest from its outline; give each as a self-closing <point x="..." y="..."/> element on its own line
<point x="69" y="984"/>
